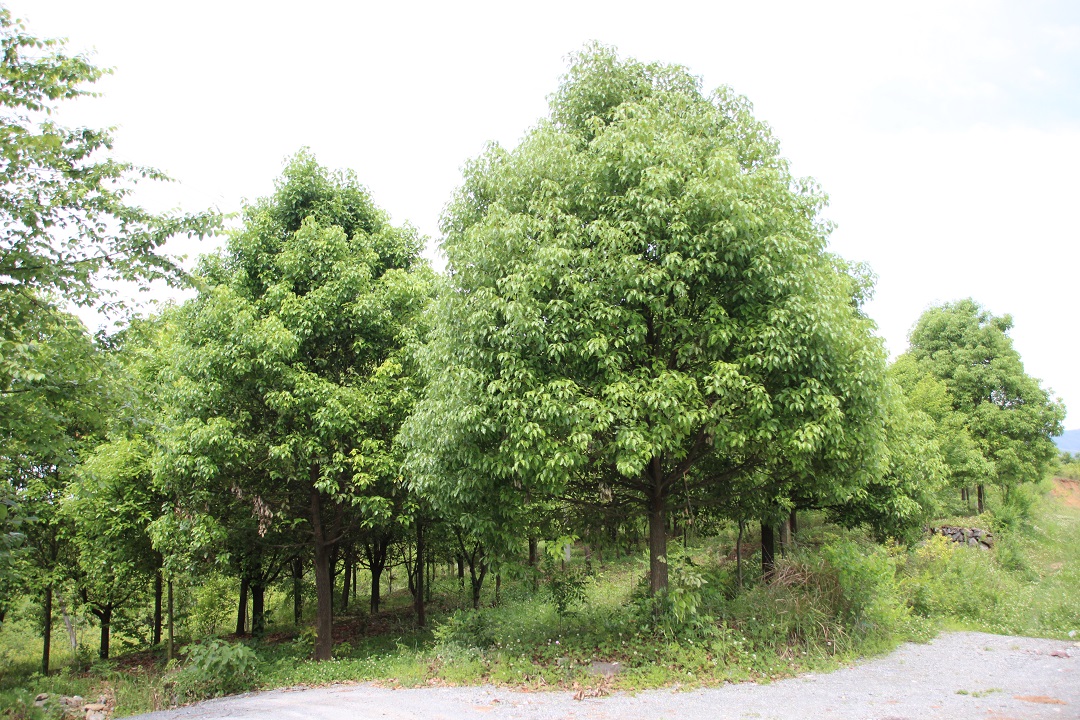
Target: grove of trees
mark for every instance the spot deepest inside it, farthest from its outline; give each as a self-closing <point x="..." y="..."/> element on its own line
<point x="639" y="315"/>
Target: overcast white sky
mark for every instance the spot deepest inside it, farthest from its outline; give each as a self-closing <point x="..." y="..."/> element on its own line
<point x="946" y="132"/>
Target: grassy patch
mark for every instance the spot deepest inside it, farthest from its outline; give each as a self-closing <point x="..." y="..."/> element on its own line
<point x="834" y="598"/>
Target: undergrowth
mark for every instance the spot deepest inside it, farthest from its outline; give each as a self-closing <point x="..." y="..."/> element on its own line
<point x="835" y="596"/>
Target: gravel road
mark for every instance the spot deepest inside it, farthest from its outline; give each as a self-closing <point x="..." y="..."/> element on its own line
<point x="960" y="676"/>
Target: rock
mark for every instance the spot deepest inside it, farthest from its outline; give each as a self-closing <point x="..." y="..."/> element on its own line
<point x="597" y="667"/>
<point x="41" y="696"/>
<point x="95" y="707"/>
<point x="973" y="542"/>
<point x="96" y="715"/>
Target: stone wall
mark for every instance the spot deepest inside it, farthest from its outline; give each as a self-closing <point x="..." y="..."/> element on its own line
<point x="973" y="537"/>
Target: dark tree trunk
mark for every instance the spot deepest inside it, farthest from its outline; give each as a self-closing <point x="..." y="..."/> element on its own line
<point x="738" y="552"/>
<point x="376" y="588"/>
<point x="981" y="498"/>
<point x="241" y="609"/>
<point x="658" y="569"/>
<point x="793" y="524"/>
<point x="785" y="538"/>
<point x="157" y="607"/>
<point x="346" y="580"/>
<point x="461" y="570"/>
<point x="46" y="631"/>
<point x="588" y="558"/>
<point x="376" y="551"/>
<point x="533" y="547"/>
<point x="298" y="589"/>
<point x="421" y="619"/>
<point x="498" y="589"/>
<point x="171" y="617"/>
<point x="324" y="589"/>
<point x="258" y="613"/>
<point x="477" y="579"/>
<point x="430" y="581"/>
<point x="105" y="617"/>
<point x="768" y="551"/>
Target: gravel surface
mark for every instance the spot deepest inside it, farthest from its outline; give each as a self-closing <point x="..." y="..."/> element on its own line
<point x="961" y="676"/>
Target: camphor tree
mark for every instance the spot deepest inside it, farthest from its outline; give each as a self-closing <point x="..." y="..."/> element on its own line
<point x="66" y="224"/>
<point x="47" y="424"/>
<point x="639" y="302"/>
<point x="1011" y="418"/>
<point x="290" y="365"/>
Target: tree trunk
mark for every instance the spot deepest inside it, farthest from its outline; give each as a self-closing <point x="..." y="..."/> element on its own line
<point x="461" y="570"/>
<point x="738" y="553"/>
<point x="498" y="589"/>
<point x="658" y="569"/>
<point x="793" y="524"/>
<point x="430" y="581"/>
<point x="533" y="547"/>
<point x="241" y="609"/>
<point x="157" y="608"/>
<point x="46" y="631"/>
<point x="421" y="620"/>
<point x="477" y="580"/>
<point x="169" y="652"/>
<point x="105" y="616"/>
<point x="376" y="555"/>
<point x="73" y="639"/>
<point x="785" y="538"/>
<point x="298" y="589"/>
<point x="768" y="551"/>
<point x="346" y="580"/>
<point x="324" y="590"/>
<point x="258" y="612"/>
<point x="981" y="498"/>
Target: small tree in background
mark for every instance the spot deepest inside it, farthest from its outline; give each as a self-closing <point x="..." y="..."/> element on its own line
<point x="1008" y="414"/>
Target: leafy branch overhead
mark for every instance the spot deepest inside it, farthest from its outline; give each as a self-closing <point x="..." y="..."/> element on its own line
<point x="67" y="222"/>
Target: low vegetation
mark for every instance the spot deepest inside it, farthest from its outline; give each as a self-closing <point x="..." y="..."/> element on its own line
<point x="836" y="595"/>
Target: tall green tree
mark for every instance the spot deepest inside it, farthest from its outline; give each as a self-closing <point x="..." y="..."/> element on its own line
<point x="639" y="294"/>
<point x="1008" y="414"/>
<point x="904" y="493"/>
<point x="290" y="365"/>
<point x="49" y="420"/>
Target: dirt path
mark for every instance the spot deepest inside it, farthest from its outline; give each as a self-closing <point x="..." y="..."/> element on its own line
<point x="968" y="676"/>
<point x="1067" y="491"/>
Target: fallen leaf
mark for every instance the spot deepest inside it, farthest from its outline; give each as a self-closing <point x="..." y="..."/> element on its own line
<point x="1041" y="699"/>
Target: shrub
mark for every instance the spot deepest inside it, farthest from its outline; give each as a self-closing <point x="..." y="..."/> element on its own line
<point x="215" y="668"/>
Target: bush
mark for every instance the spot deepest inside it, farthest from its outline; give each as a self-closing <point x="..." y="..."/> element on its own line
<point x="215" y="668"/>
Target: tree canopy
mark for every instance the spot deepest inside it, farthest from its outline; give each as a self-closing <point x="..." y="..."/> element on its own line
<point x="1008" y="414"/>
<point x="292" y="368"/>
<point x="639" y="294"/>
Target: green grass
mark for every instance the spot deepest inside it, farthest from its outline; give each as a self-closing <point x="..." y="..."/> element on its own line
<point x="837" y="597"/>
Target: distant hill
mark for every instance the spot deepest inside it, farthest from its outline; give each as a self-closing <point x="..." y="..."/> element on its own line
<point x="1069" y="441"/>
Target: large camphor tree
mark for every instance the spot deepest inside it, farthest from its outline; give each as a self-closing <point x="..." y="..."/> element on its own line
<point x="1007" y="413"/>
<point x="639" y="304"/>
<point x="292" y="367"/>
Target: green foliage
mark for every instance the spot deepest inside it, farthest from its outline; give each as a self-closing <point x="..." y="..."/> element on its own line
<point x="63" y="202"/>
<point x="899" y="501"/>
<point x="215" y="668"/>
<point x="1009" y="416"/>
<point x="639" y="301"/>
